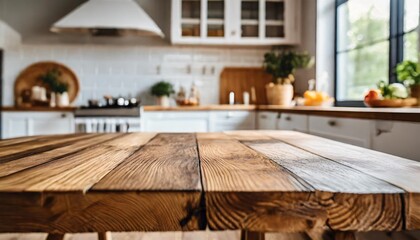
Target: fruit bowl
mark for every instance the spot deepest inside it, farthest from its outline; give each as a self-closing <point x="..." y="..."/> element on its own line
<point x="407" y="102"/>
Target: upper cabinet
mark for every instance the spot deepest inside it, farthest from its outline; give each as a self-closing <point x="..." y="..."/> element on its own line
<point x="236" y="22"/>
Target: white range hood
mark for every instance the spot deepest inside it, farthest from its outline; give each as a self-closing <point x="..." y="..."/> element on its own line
<point x="108" y="18"/>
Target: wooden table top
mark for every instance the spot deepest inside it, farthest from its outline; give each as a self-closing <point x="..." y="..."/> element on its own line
<point x="253" y="180"/>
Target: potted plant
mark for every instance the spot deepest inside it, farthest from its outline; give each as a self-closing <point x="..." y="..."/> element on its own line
<point x="59" y="90"/>
<point x="408" y="72"/>
<point x="282" y="66"/>
<point x="162" y="90"/>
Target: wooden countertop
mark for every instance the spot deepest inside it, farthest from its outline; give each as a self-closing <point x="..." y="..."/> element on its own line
<point x="250" y="180"/>
<point x="38" y="109"/>
<point x="216" y="107"/>
<point x="397" y="114"/>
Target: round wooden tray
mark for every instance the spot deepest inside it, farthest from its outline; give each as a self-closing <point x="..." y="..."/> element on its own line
<point x="29" y="77"/>
<point x="408" y="102"/>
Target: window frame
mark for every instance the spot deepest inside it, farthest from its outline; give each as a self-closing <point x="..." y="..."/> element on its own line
<point x="396" y="46"/>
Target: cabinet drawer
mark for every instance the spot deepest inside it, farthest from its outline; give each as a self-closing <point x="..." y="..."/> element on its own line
<point x="232" y="120"/>
<point x="267" y="120"/>
<point x="293" y="122"/>
<point x="352" y="131"/>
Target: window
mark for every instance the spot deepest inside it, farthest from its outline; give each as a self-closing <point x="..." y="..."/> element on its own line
<point x="372" y="36"/>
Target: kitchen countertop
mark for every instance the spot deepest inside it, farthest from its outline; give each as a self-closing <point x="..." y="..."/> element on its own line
<point x="38" y="109"/>
<point x="282" y="180"/>
<point x="221" y="107"/>
<point x="396" y="114"/>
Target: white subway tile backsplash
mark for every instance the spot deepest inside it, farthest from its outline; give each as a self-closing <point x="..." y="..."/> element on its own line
<point x="132" y="70"/>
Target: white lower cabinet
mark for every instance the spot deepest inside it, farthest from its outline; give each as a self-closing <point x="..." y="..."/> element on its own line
<point x="352" y="131"/>
<point x="20" y="124"/>
<point x="232" y="120"/>
<point x="198" y="121"/>
<point x="171" y="121"/>
<point x="293" y="122"/>
<point x="267" y="120"/>
<point x="397" y="138"/>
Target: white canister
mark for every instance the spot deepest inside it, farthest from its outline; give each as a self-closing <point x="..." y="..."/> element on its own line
<point x="63" y="99"/>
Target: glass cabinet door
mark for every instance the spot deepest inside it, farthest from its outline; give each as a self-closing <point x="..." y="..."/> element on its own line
<point x="250" y="14"/>
<point x="215" y="18"/>
<point x="191" y="18"/>
<point x="274" y="19"/>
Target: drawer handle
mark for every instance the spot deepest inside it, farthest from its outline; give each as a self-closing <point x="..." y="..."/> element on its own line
<point x="288" y="118"/>
<point x="63" y="115"/>
<point x="263" y="116"/>
<point x="332" y="123"/>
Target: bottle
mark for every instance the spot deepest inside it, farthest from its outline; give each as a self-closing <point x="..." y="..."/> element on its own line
<point x="231" y="98"/>
<point x="246" y="98"/>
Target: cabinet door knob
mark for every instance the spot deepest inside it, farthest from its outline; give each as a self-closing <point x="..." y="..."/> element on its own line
<point x="288" y="118"/>
<point x="332" y="123"/>
<point x="63" y="115"/>
<point x="233" y="33"/>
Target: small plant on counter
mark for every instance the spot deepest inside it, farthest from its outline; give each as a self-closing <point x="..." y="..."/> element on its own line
<point x="162" y="90"/>
<point x="282" y="66"/>
<point x="52" y="80"/>
<point x="408" y="72"/>
<point x="59" y="90"/>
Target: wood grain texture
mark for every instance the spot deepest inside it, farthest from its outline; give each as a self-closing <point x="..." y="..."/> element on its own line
<point x="168" y="162"/>
<point x="72" y="212"/>
<point x="241" y="80"/>
<point x="263" y="181"/>
<point x="76" y="172"/>
<point x="11" y="152"/>
<point x="20" y="164"/>
<point x="338" y="190"/>
<point x="398" y="171"/>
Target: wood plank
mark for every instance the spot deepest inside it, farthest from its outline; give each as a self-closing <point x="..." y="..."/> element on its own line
<point x="168" y="162"/>
<point x="243" y="190"/>
<point x="167" y="166"/>
<point x="9" y="153"/>
<point x="398" y="171"/>
<point x="20" y="164"/>
<point x="76" y="172"/>
<point x="73" y="212"/>
<point x="342" y="202"/>
<point x="379" y="208"/>
<point x="157" y="188"/>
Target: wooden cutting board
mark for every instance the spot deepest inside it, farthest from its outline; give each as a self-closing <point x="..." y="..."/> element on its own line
<point x="239" y="80"/>
<point x="29" y="77"/>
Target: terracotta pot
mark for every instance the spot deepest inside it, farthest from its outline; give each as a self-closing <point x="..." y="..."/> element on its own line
<point x="163" y="101"/>
<point x="415" y="93"/>
<point x="279" y="94"/>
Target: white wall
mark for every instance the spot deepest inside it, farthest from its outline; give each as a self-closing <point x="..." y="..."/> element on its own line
<point x="9" y="38"/>
<point x="127" y="66"/>
<point x="120" y="70"/>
